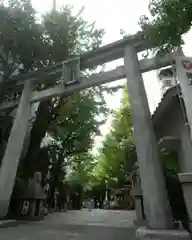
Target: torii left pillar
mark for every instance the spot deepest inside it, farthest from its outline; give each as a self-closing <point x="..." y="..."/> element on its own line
<point x="14" y="149"/>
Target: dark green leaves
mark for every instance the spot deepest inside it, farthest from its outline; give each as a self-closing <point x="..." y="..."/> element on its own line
<point x="169" y="20"/>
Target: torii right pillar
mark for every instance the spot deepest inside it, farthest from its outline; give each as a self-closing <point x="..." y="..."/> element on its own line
<point x="157" y="206"/>
<point x="184" y="74"/>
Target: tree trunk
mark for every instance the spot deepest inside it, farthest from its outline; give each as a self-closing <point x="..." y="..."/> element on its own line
<point x="44" y="116"/>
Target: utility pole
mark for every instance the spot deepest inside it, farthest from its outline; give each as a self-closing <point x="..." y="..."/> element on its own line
<point x="54" y="5"/>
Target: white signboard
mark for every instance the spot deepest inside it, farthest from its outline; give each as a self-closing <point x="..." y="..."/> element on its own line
<point x="184" y="73"/>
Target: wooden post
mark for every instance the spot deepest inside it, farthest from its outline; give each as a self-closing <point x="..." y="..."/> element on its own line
<point x="14" y="149"/>
<point x="153" y="185"/>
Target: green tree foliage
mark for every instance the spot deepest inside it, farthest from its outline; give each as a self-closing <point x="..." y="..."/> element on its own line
<point x="67" y="35"/>
<point x="81" y="170"/>
<point x="79" y="128"/>
<point x="111" y="157"/>
<point x="27" y="45"/>
<point x="22" y="46"/>
<point x="168" y="21"/>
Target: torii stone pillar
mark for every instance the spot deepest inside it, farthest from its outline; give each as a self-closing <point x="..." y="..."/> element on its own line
<point x="158" y="211"/>
<point x="14" y="148"/>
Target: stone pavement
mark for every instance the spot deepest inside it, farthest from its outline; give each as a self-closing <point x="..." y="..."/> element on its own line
<point x="76" y="225"/>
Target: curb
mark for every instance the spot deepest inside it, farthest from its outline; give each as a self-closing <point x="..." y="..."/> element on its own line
<point x="10" y="223"/>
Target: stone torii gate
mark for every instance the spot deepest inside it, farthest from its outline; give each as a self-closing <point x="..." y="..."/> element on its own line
<point x="157" y="207"/>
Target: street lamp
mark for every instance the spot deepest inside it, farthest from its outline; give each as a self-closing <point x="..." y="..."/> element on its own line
<point x="106" y="205"/>
<point x="106" y="194"/>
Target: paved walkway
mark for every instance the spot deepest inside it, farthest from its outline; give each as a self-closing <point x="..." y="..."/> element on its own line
<point x="76" y="225"/>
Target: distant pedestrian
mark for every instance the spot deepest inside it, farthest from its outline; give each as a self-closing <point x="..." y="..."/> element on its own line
<point x="90" y="204"/>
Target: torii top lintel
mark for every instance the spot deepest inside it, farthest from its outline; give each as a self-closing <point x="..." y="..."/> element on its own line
<point x="104" y="54"/>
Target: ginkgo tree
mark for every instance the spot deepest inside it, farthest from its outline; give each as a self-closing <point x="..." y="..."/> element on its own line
<point x="111" y="158"/>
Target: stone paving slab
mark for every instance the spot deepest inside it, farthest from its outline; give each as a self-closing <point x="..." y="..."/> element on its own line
<point x="76" y="225"/>
<point x="97" y="217"/>
<point x="69" y="232"/>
